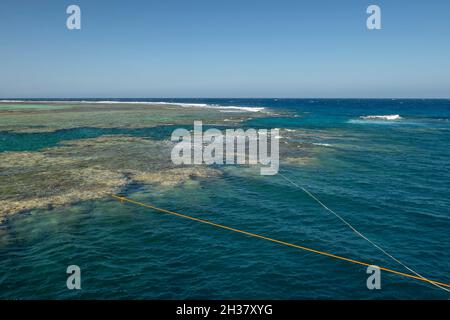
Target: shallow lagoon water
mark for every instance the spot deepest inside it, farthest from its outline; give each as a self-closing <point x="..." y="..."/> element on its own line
<point x="389" y="180"/>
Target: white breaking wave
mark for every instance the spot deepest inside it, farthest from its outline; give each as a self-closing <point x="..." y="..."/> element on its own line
<point x="249" y="109"/>
<point x="323" y="144"/>
<point x="214" y="106"/>
<point x="385" y="117"/>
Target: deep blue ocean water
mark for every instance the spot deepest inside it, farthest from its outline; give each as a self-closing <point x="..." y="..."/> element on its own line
<point x="390" y="179"/>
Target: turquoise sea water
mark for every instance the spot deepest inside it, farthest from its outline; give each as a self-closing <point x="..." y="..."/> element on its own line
<point x="389" y="178"/>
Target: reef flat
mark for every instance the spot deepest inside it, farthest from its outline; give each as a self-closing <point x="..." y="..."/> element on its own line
<point x="52" y="116"/>
<point x="86" y="169"/>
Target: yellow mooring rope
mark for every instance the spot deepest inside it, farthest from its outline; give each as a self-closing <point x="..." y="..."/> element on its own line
<point x="124" y="199"/>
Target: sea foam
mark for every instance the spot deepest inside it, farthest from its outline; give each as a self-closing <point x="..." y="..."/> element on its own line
<point x="384" y="117"/>
<point x="215" y="106"/>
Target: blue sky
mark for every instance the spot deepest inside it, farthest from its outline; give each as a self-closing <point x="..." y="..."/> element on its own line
<point x="232" y="48"/>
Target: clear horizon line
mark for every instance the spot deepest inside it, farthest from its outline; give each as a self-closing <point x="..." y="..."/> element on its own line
<point x="267" y="98"/>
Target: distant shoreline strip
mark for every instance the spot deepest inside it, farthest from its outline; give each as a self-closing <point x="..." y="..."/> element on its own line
<point x="180" y="104"/>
